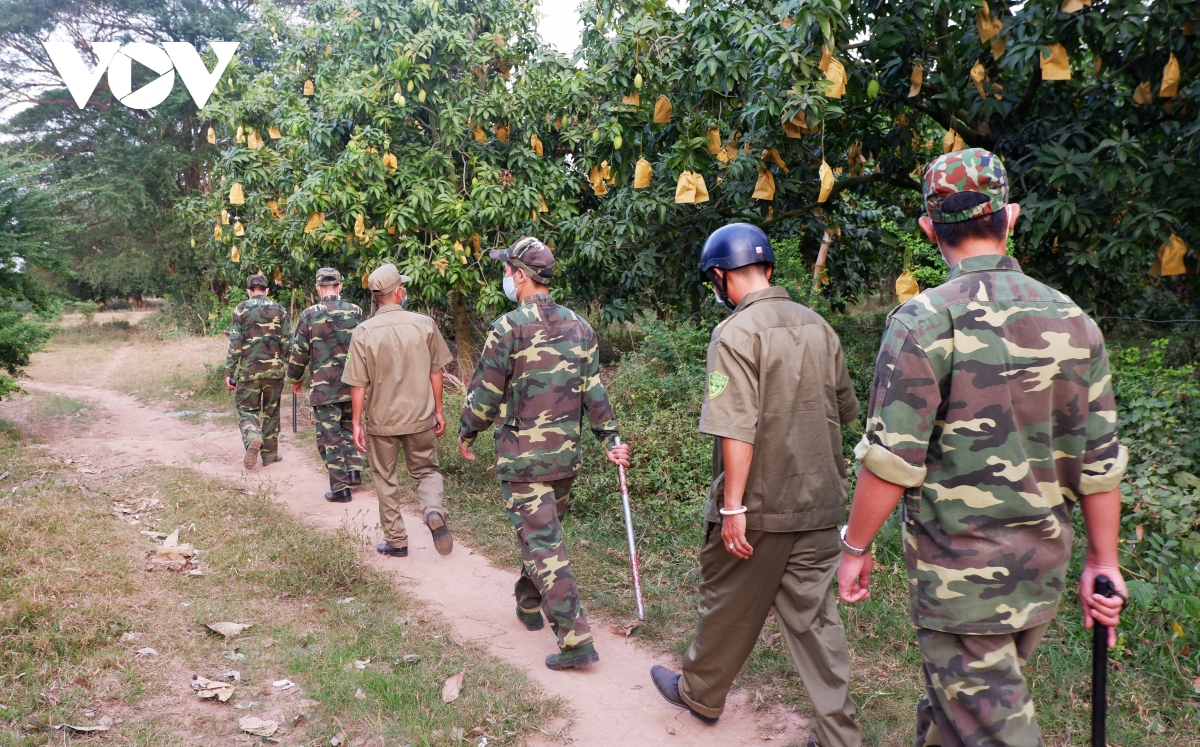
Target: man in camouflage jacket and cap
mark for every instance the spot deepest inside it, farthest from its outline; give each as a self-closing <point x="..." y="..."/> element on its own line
<point x="538" y="378"/>
<point x="321" y="344"/>
<point x="254" y="368"/>
<point x="992" y="415"/>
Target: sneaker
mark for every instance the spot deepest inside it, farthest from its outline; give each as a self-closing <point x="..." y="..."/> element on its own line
<point x="252" y="450"/>
<point x="575" y="656"/>
<point x="338" y="496"/>
<point x="531" y="620"/>
<point x="384" y="548"/>
<point x="442" y="541"/>
<point x="667" y="683"/>
<point x="353" y="477"/>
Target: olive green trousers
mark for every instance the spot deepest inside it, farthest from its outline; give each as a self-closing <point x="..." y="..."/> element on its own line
<point x="791" y="572"/>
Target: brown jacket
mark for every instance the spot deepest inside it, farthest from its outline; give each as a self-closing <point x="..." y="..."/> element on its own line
<point x="777" y="379"/>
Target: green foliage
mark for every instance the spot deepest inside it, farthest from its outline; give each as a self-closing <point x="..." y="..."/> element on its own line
<point x="1159" y="407"/>
<point x="1096" y="173"/>
<point x="920" y="256"/>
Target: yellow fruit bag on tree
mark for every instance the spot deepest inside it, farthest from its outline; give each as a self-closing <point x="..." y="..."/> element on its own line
<point x="915" y="79"/>
<point x="764" y="188"/>
<point x="826" y="182"/>
<point x="236" y="197"/>
<point x="641" y="174"/>
<point x="1170" y="80"/>
<point x="771" y="155"/>
<point x="836" y="74"/>
<point x="662" y="110"/>
<point x="906" y="286"/>
<point x="1056" y="66"/>
<point x="274" y="132"/>
<point x="212" y="136"/>
<point x="632" y="99"/>
<point x="314" y="222"/>
<point x="309" y="90"/>
<point x="535" y="142"/>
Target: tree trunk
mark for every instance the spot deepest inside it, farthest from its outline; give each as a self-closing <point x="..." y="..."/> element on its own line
<point x="819" y="267"/>
<point x="462" y="335"/>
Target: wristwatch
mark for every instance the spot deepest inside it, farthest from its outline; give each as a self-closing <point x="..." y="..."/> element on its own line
<point x="855" y="551"/>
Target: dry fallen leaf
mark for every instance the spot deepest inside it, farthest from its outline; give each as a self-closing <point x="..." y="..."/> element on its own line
<point x="207" y="688"/>
<point x="147" y="652"/>
<point x="361" y="664"/>
<point x="257" y="726"/>
<point x="627" y="628"/>
<point x="453" y="686"/>
<point x="360" y="695"/>
<point x="228" y="629"/>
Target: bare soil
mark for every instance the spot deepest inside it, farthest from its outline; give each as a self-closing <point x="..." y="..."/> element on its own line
<point x="613" y="702"/>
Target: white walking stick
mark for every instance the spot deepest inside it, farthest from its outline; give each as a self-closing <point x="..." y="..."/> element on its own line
<point x="633" y="556"/>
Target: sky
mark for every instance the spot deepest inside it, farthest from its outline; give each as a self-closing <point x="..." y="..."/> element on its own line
<point x="559" y="25"/>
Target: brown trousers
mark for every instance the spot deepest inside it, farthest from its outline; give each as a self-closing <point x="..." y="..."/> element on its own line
<point x="420" y="457"/>
<point x="792" y="572"/>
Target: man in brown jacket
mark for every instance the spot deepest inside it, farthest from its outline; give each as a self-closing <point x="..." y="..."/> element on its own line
<point x="778" y="393"/>
<point x="400" y="356"/>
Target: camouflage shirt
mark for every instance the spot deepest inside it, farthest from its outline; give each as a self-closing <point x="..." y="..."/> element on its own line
<point x="993" y="406"/>
<point x="538" y="377"/>
<point x="322" y="342"/>
<point x="258" y="341"/>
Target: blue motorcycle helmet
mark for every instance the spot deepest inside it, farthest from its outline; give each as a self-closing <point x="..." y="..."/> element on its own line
<point x="730" y="247"/>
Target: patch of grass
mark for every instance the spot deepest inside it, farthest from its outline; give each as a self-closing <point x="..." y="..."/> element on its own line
<point x="67" y="596"/>
<point x="93" y="333"/>
<point x="57" y="406"/>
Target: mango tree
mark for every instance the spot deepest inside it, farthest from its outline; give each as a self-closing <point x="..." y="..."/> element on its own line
<point x="423" y="133"/>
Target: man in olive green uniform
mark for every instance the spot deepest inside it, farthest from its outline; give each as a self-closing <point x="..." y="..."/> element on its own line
<point x="778" y="393"/>
<point x="992" y="414"/>
<point x="321" y="344"/>
<point x="399" y="355"/>
<point x="538" y="378"/>
<point x="254" y="368"/>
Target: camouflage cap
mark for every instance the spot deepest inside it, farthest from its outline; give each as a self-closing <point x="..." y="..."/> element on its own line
<point x="257" y="280"/>
<point x="970" y="170"/>
<point x="531" y="256"/>
<point x="328" y="276"/>
<point x="386" y="279"/>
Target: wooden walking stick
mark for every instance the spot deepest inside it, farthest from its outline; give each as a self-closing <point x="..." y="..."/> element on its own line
<point x="1104" y="588"/>
<point x="633" y="555"/>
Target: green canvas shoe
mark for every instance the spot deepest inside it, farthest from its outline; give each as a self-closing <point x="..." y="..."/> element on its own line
<point x="576" y="656"/>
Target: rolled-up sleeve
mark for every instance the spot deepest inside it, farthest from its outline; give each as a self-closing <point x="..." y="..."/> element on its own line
<point x="900" y="416"/>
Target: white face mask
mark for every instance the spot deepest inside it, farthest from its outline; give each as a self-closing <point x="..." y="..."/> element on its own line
<point x="511" y="287"/>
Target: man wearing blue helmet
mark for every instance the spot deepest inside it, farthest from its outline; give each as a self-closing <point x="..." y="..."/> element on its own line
<point x="778" y="393"/>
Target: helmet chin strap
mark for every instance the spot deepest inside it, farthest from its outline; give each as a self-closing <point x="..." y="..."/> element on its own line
<point x="722" y="290"/>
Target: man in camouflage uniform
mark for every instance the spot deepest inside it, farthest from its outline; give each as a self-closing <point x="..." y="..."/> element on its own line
<point x="538" y="378"/>
<point x="992" y="415"/>
<point x="321" y="344"/>
<point x="254" y="367"/>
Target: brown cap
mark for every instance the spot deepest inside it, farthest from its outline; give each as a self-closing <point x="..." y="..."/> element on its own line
<point x="531" y="256"/>
<point x="328" y="276"/>
<point x="386" y="279"/>
<point x="257" y="280"/>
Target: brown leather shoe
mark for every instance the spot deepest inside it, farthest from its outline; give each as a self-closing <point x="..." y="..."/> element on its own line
<point x="252" y="450"/>
<point x="443" y="542"/>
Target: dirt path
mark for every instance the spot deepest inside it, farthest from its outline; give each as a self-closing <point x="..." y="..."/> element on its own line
<point x="613" y="702"/>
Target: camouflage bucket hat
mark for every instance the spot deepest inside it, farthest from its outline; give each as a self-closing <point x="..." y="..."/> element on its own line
<point x="531" y="256"/>
<point x="970" y="170"/>
<point x="328" y="276"/>
<point x="257" y="280"/>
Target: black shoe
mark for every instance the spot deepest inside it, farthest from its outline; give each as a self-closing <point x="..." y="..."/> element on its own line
<point x="353" y="477"/>
<point x="384" y="548"/>
<point x="576" y="656"/>
<point x="443" y="542"/>
<point x="531" y="620"/>
<point x="812" y="741"/>
<point x="338" y="496"/>
<point x="266" y="461"/>
<point x="667" y="683"/>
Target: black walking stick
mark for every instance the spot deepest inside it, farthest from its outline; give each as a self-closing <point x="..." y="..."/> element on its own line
<point x="293" y="411"/>
<point x="1104" y="588"/>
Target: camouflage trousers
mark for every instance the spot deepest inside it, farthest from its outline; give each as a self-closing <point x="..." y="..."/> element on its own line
<point x="546" y="583"/>
<point x="258" y="414"/>
<point x="975" y="691"/>
<point x="335" y="442"/>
